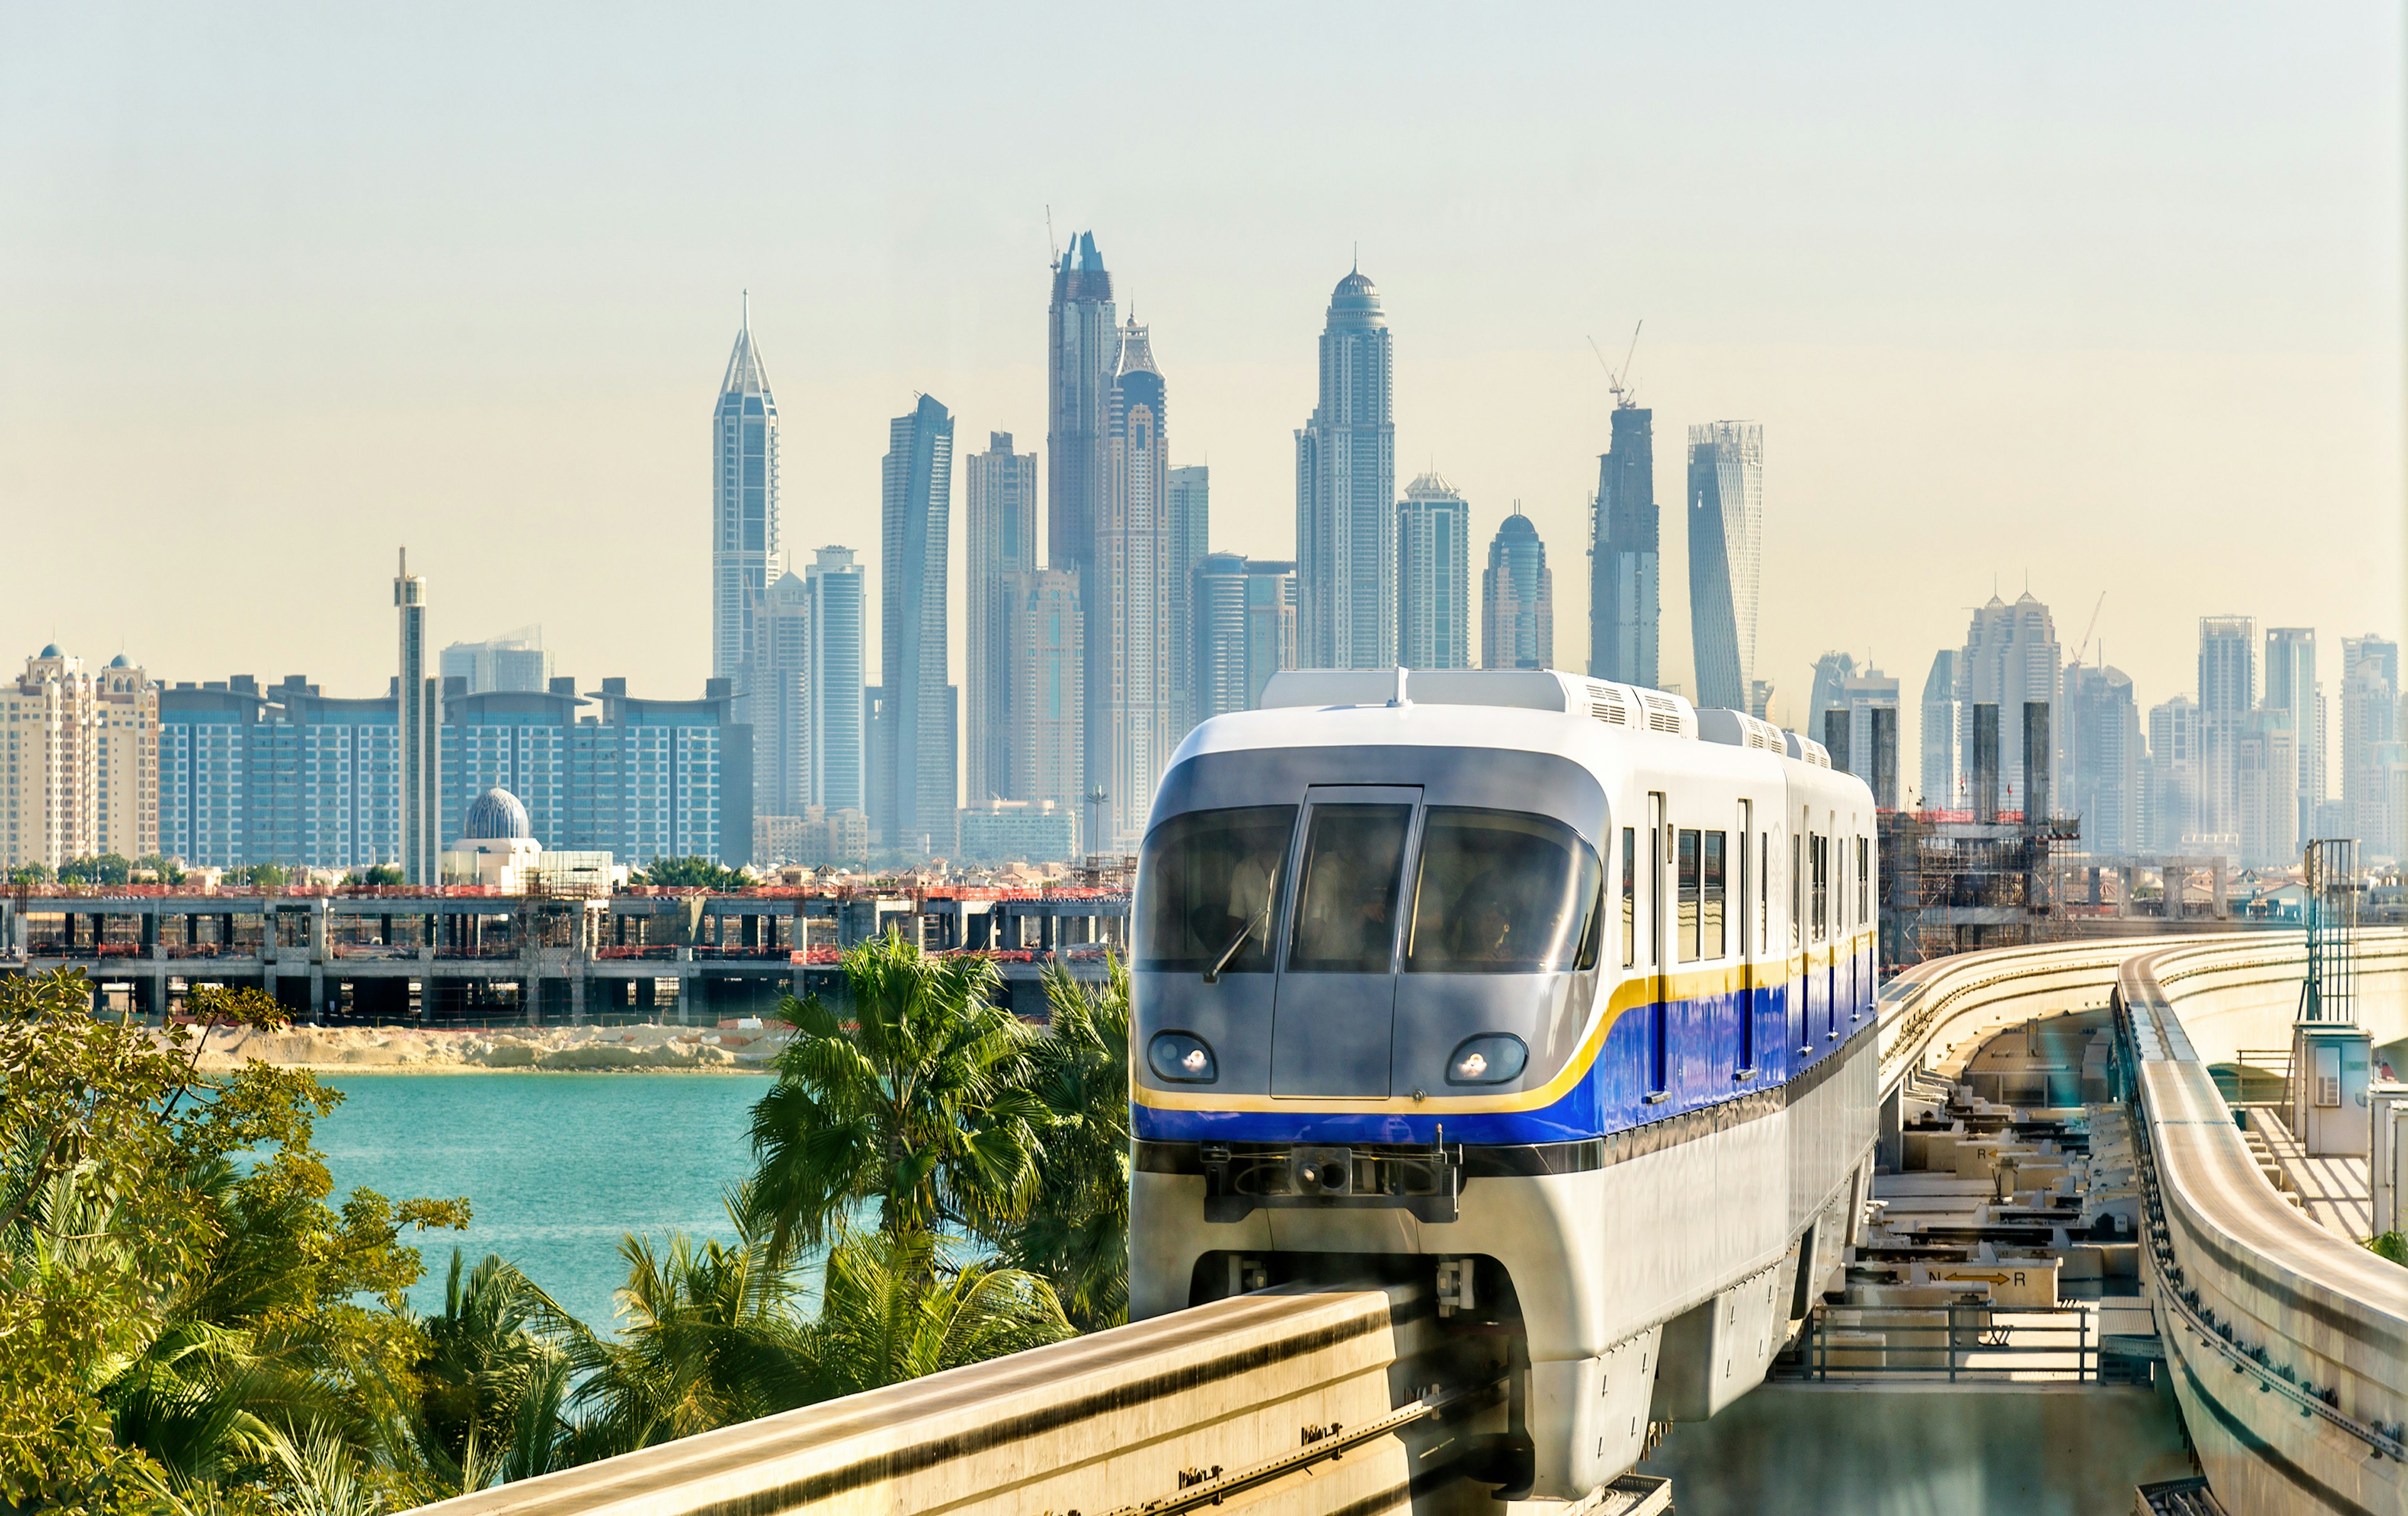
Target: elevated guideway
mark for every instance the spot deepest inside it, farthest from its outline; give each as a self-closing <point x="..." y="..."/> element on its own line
<point x="2287" y="1346"/>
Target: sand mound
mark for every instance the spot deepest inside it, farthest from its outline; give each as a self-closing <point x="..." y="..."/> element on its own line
<point x="397" y="1049"/>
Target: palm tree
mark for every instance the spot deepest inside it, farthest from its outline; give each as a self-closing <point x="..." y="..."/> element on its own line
<point x="711" y="1337"/>
<point x="921" y="1103"/>
<point x="482" y="1354"/>
<point x="1075" y="1234"/>
<point x="893" y="1309"/>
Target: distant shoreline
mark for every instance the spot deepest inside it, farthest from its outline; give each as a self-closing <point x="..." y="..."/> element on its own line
<point x="647" y="1049"/>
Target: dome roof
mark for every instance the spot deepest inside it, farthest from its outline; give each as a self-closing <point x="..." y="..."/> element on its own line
<point x="1356" y="282"/>
<point x="496" y="813"/>
<point x="50" y="650"/>
<point x="120" y="662"/>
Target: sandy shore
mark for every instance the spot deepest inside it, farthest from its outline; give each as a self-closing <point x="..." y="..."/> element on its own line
<point x="408" y="1050"/>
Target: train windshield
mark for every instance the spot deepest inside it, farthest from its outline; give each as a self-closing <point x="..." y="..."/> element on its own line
<point x="1346" y="917"/>
<point x="1503" y="892"/>
<point x="1211" y="890"/>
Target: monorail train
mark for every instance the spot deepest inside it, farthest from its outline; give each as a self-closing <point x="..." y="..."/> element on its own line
<point x="1558" y="990"/>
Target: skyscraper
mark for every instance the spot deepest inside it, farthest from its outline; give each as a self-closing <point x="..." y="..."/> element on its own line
<point x="2370" y="743"/>
<point x="914" y="785"/>
<point x="2266" y="789"/>
<point x="1433" y="577"/>
<point x="2228" y="692"/>
<point x="1245" y="629"/>
<point x="2104" y="770"/>
<point x="773" y="690"/>
<point x="1047" y="658"/>
<point x="514" y="660"/>
<point x="2010" y="656"/>
<point x="2291" y="688"/>
<point x="1517" y="595"/>
<point x="1726" y="554"/>
<point x="1128" y="673"/>
<point x="1346" y="491"/>
<point x="2174" y="775"/>
<point x="1940" y="728"/>
<point x="1000" y="522"/>
<point x="1185" y="540"/>
<point x="1829" y="690"/>
<point x="420" y="692"/>
<point x="1622" y="573"/>
<point x="1081" y="347"/>
<point x="744" y="502"/>
<point x="840" y="603"/>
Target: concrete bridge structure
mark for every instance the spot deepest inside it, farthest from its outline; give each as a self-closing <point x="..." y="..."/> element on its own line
<point x="2286" y="1344"/>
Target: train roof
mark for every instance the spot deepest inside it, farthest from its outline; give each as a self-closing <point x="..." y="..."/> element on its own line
<point x="1525" y="709"/>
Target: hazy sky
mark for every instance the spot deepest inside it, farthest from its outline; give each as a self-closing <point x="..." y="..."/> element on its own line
<point x="2109" y="297"/>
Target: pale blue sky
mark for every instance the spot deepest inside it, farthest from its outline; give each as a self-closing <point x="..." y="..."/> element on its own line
<point x="2110" y="297"/>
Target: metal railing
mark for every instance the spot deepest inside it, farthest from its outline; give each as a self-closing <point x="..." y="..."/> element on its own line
<point x="1969" y="1342"/>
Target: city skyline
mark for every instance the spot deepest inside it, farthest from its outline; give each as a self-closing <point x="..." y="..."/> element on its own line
<point x="546" y="409"/>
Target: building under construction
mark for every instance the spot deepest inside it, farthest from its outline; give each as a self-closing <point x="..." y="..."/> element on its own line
<point x="1955" y="881"/>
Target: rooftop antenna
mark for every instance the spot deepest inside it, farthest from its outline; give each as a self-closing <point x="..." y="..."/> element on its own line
<point x="748" y="311"/>
<point x="1052" y="246"/>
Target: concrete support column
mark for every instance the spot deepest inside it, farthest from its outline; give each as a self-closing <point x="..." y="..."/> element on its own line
<point x="577" y="997"/>
<point x="318" y="992"/>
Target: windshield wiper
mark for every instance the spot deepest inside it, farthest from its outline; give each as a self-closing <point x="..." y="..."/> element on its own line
<point x="1212" y="975"/>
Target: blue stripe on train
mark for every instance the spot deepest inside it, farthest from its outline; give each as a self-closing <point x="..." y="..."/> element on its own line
<point x="1611" y="1097"/>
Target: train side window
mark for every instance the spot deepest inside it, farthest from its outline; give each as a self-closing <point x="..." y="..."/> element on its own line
<point x="1685" y="931"/>
<point x="1710" y="895"/>
<point x="1818" y="850"/>
<point x="1797" y="882"/>
<point x="1629" y="896"/>
<point x="1763" y="890"/>
<point x="1864" y="880"/>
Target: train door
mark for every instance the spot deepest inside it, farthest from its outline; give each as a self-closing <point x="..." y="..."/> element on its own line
<point x="1746" y="915"/>
<point x="1659" y="953"/>
<point x="1333" y="1014"/>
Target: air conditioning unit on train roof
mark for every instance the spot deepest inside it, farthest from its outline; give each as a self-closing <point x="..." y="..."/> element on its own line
<point x="1528" y="689"/>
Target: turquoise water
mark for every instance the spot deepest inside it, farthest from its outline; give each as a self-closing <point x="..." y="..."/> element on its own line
<point x="557" y="1167"/>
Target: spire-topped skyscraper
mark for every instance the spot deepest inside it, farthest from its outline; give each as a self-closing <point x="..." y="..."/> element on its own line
<point x="744" y="502"/>
<point x="1622" y="570"/>
<point x="1128" y="675"/>
<point x="1082" y="344"/>
<point x="1346" y="491"/>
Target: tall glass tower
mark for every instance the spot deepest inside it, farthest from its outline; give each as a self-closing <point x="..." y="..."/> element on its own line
<point x="914" y="784"/>
<point x="1082" y="350"/>
<point x="744" y="502"/>
<point x="1129" y="674"/>
<point x="1725" y="548"/>
<point x="1186" y="540"/>
<point x="1517" y="612"/>
<point x="1622" y="570"/>
<point x="1346" y="491"/>
<point x="1000" y="518"/>
<point x="840" y="600"/>
<point x="1433" y="577"/>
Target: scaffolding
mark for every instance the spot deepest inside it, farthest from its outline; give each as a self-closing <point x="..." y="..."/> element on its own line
<point x="1954" y="884"/>
<point x="2330" y="990"/>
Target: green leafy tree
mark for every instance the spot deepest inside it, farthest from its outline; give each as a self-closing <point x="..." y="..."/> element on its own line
<point x="484" y="1352"/>
<point x="29" y="873"/>
<point x="382" y="874"/>
<point x="1075" y="1230"/>
<point x="263" y="876"/>
<point x="101" y="869"/>
<point x="166" y="870"/>
<point x="175" y="1291"/>
<point x="920" y="1104"/>
<point x="691" y="874"/>
<point x="2390" y="1245"/>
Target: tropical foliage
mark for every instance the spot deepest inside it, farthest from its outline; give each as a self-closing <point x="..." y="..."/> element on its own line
<point x="691" y="874"/>
<point x="189" y="1320"/>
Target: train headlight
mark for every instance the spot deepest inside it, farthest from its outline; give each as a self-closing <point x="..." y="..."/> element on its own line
<point x="1496" y="1057"/>
<point x="1181" y="1058"/>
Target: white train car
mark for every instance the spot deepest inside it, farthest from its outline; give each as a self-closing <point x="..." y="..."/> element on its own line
<point x="1559" y="992"/>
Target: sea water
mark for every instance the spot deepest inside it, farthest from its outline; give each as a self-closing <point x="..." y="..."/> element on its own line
<point x="557" y="1168"/>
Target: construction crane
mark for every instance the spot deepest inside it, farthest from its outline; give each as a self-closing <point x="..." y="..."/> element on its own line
<point x="1619" y="383"/>
<point x="2089" y="629"/>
